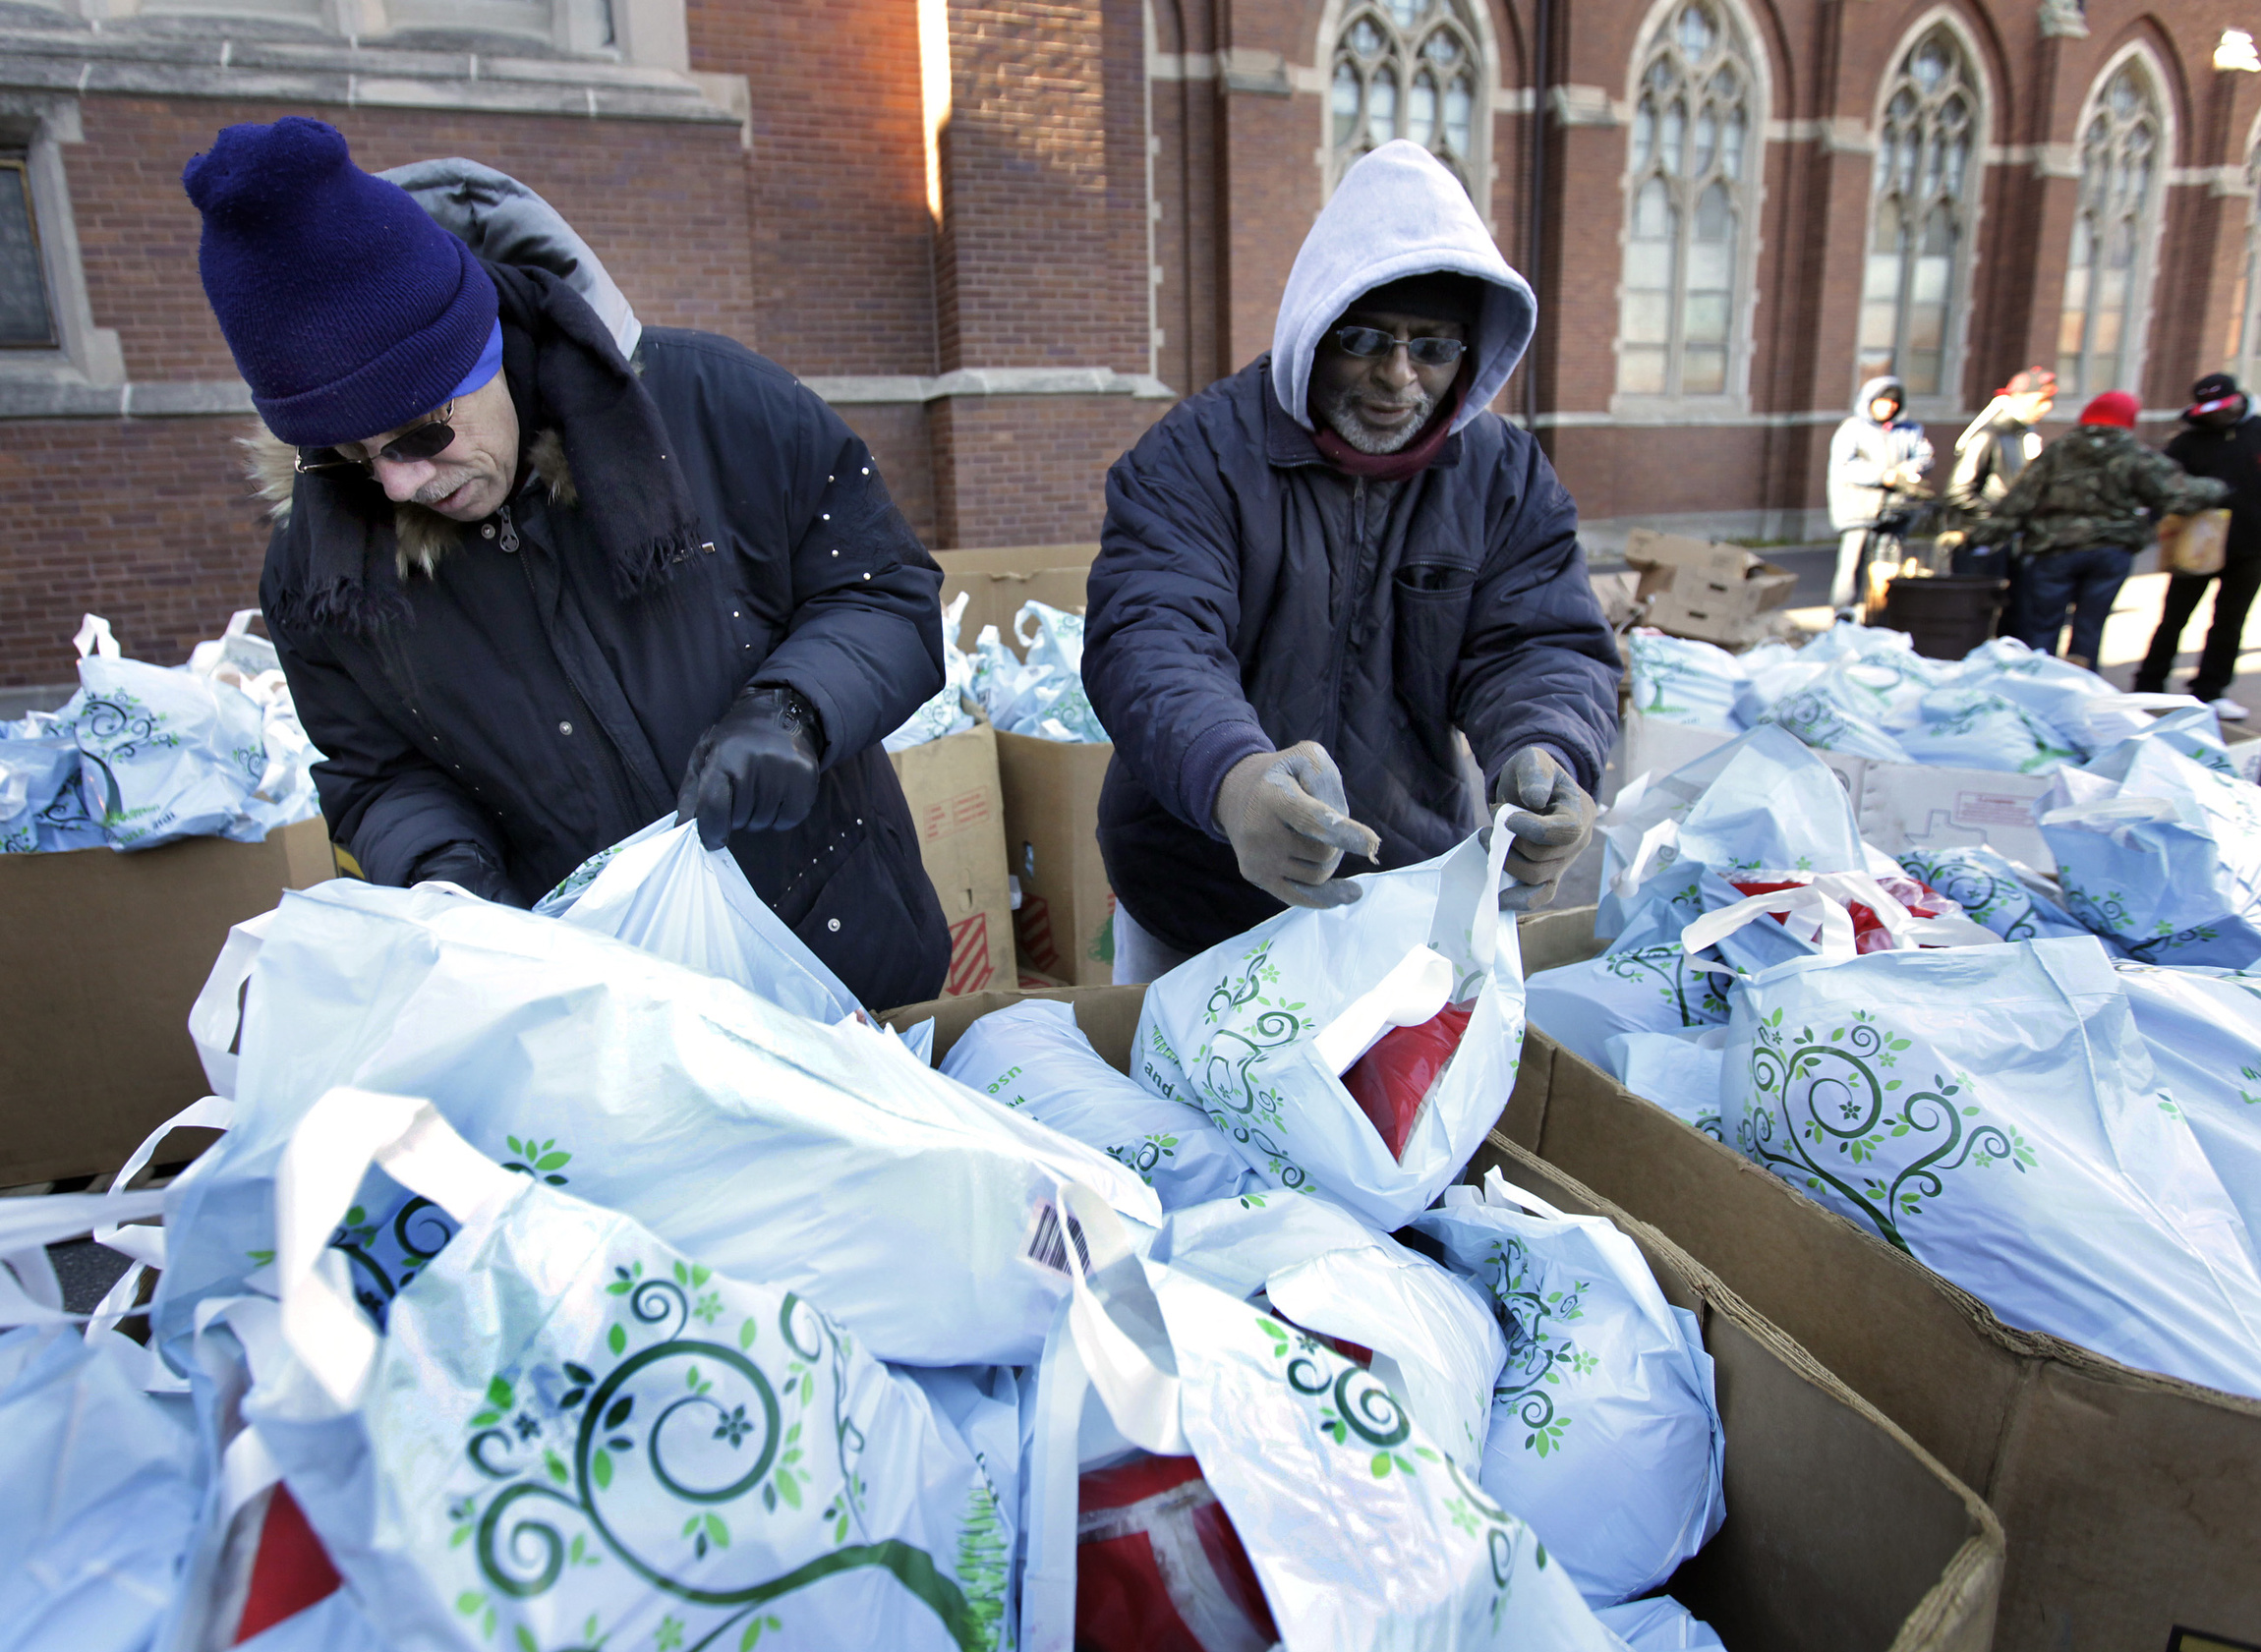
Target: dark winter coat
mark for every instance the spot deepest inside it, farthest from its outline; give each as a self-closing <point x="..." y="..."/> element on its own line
<point x="2233" y="456"/>
<point x="2094" y="485"/>
<point x="523" y="704"/>
<point x="1248" y="595"/>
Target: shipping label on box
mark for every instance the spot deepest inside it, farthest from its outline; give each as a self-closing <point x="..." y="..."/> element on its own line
<point x="959" y="808"/>
<point x="1066" y="924"/>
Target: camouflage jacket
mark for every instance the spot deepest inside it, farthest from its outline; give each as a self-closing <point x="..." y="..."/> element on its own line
<point x="2095" y="486"/>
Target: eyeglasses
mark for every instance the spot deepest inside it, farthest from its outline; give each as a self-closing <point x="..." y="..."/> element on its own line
<point x="416" y="443"/>
<point x="1371" y="343"/>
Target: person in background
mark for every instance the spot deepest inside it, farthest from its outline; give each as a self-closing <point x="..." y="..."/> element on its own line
<point x="2000" y="443"/>
<point x="2221" y="438"/>
<point x="1341" y="552"/>
<point x="2080" y="512"/>
<point x="534" y="589"/>
<point x="1874" y="451"/>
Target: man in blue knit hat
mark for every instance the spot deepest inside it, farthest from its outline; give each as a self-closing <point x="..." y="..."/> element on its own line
<point x="533" y="592"/>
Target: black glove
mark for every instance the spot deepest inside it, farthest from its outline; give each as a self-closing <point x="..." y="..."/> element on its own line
<point x="756" y="768"/>
<point x="1554" y="819"/>
<point x="1283" y="814"/>
<point x="469" y="868"/>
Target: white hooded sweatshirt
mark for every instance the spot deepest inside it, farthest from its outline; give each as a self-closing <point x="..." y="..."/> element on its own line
<point x="1398" y="212"/>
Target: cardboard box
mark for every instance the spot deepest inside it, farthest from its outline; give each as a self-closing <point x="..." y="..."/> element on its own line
<point x="2132" y="1502"/>
<point x="998" y="582"/>
<point x="1900" y="805"/>
<point x="1066" y="923"/>
<point x="106" y="952"/>
<point x="959" y="808"/>
<point x="1841" y="1532"/>
<point x="1702" y="589"/>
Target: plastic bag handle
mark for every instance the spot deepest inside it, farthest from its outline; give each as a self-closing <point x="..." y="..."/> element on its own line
<point x="1835" y="923"/>
<point x="322" y="1165"/>
<point x="240" y="622"/>
<point x="31" y="1294"/>
<point x="216" y="1016"/>
<point x="95" y="637"/>
<point x="1415" y="988"/>
<point x="1117" y="1324"/>
<point x="1500" y="1190"/>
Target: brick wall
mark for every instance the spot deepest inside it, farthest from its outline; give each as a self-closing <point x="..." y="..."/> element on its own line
<point x="841" y="242"/>
<point x="145" y="522"/>
<point x="1043" y="256"/>
<point x="1028" y="470"/>
<point x="663" y="204"/>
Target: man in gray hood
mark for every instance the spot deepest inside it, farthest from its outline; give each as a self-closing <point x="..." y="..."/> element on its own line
<point x="1873" y="453"/>
<point x="1318" y="575"/>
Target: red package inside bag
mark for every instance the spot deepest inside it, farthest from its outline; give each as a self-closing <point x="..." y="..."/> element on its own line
<point x="1869" y="931"/>
<point x="1394" y="1077"/>
<point x="1159" y="1566"/>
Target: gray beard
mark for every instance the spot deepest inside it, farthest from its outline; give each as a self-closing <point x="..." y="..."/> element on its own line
<point x="1343" y="417"/>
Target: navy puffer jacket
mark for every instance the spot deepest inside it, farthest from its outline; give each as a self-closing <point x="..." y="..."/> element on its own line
<point x="519" y="701"/>
<point x="1248" y="595"/>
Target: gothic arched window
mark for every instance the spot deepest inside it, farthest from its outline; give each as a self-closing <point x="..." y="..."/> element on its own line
<point x="1927" y="184"/>
<point x="2243" y="357"/>
<point x="1409" y="68"/>
<point x="1691" y="187"/>
<point x="2108" y="279"/>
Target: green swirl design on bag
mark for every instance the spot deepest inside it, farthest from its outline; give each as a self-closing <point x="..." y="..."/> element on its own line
<point x="1225" y="1067"/>
<point x="1671" y="966"/>
<point x="1541" y="1355"/>
<point x="1833" y="1093"/>
<point x="668" y="1404"/>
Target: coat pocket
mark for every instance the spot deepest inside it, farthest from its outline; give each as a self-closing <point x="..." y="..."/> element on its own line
<point x="1431" y="601"/>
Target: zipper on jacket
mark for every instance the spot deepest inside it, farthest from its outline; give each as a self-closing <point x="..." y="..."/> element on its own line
<point x="509" y="532"/>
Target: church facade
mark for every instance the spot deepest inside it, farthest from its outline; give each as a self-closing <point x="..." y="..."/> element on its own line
<point x="1001" y="237"/>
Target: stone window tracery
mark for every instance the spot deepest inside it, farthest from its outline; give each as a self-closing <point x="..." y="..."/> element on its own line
<point x="1409" y="68"/>
<point x="2108" y="277"/>
<point x="1928" y="176"/>
<point x="1691" y="187"/>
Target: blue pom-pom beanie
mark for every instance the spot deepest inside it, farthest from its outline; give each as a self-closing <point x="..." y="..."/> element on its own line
<point x="349" y="311"/>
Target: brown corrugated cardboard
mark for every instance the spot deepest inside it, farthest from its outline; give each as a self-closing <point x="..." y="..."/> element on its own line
<point x="2132" y="1502"/>
<point x="959" y="806"/>
<point x="105" y="953"/>
<point x="1841" y="1534"/>
<point x="998" y="582"/>
<point x="1066" y="924"/>
<point x="1713" y="591"/>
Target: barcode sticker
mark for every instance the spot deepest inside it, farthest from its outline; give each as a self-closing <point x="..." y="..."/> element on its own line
<point x="1047" y="1245"/>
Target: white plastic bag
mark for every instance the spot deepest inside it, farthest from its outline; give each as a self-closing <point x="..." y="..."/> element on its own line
<point x="2160" y="854"/>
<point x="42" y="806"/>
<point x="1044" y="695"/>
<point x="1679" y="1071"/>
<point x="1032" y="1058"/>
<point x="2203" y="1029"/>
<point x="1993" y="890"/>
<point x="569" y="1432"/>
<point x="659" y="890"/>
<point x="1991" y="1111"/>
<point x="101" y="1493"/>
<point x="1264" y="1025"/>
<point x="1431" y="1335"/>
<point x="1605" y="1435"/>
<point x="1660" y="1624"/>
<point x="1974" y="728"/>
<point x="1360" y="1531"/>
<point x="165" y="754"/>
<point x="826" y="1159"/>
<point x="1677" y="680"/>
<point x="944" y="713"/>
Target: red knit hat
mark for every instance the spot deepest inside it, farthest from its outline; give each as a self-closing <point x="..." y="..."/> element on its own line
<point x="2113" y="407"/>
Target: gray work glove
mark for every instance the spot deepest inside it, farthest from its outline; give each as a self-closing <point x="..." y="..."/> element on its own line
<point x="1554" y="819"/>
<point x="1285" y="814"/>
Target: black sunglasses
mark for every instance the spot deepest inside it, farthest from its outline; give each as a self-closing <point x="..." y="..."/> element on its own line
<point x="1369" y="343"/>
<point x="427" y="440"/>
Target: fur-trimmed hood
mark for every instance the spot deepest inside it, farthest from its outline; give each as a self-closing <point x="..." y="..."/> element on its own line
<point x="420" y="536"/>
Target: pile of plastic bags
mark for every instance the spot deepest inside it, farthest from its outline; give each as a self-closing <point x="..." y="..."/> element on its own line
<point x="1041" y="695"/>
<point x="1866" y="692"/>
<point x="143" y="754"/>
<point x="945" y="712"/>
<point x="2052" y="1097"/>
<point x="602" y="1275"/>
